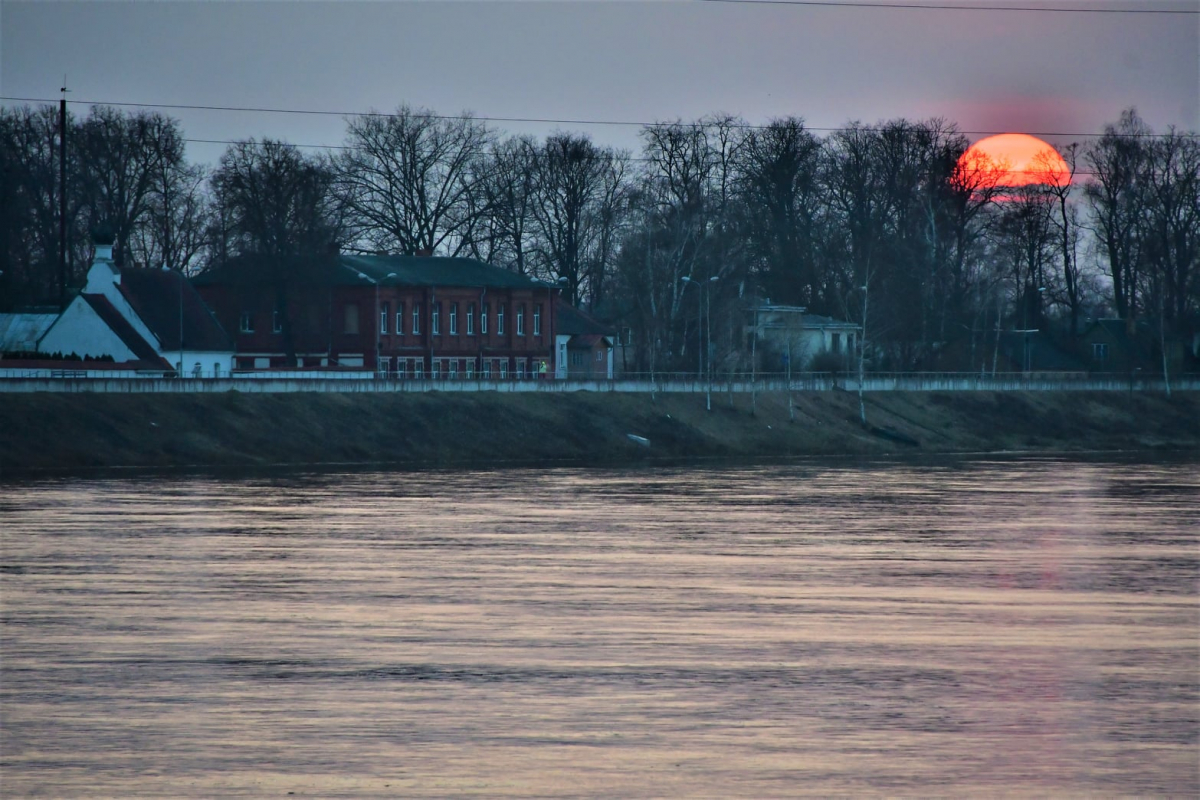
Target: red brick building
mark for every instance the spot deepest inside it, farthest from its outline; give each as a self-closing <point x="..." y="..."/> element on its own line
<point x="410" y="316"/>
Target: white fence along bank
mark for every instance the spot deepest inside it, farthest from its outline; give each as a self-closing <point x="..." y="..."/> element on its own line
<point x="880" y="382"/>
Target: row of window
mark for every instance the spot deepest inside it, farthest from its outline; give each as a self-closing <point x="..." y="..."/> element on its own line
<point x="350" y="320"/>
<point x="454" y="368"/>
<point x="577" y="357"/>
<point x="435" y="321"/>
<point x="246" y="323"/>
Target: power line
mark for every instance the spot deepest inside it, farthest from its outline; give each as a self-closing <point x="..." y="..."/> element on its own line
<point x="950" y="7"/>
<point x="525" y="120"/>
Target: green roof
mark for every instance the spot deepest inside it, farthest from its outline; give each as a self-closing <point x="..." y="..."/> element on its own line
<point x="431" y="271"/>
<point x="344" y="270"/>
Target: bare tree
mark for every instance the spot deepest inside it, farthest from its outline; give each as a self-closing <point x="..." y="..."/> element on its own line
<point x="29" y="204"/>
<point x="175" y="231"/>
<point x="506" y="233"/>
<point x="1055" y="174"/>
<point x="686" y="189"/>
<point x="28" y="201"/>
<point x="1171" y="224"/>
<point x="277" y="216"/>
<point x="778" y="170"/>
<point x="1115" y="194"/>
<point x="410" y="180"/>
<point x="121" y="156"/>
<point x="579" y="192"/>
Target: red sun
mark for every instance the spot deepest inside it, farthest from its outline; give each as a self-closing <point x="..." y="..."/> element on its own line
<point x="1017" y="159"/>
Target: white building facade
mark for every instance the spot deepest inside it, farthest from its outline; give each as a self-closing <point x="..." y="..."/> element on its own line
<point x="149" y="318"/>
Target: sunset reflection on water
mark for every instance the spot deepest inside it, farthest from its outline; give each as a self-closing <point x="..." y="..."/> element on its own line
<point x="987" y="627"/>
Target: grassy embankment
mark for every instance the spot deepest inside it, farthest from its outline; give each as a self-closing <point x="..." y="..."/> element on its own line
<point x="85" y="432"/>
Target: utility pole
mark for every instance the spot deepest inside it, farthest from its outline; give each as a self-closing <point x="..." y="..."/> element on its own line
<point x="703" y="334"/>
<point x="754" y="363"/>
<point x="62" y="197"/>
<point x="708" y="343"/>
<point x="180" y="320"/>
<point x="862" y="355"/>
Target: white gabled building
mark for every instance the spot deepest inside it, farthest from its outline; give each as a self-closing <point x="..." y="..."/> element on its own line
<point x="791" y="333"/>
<point x="151" y="319"/>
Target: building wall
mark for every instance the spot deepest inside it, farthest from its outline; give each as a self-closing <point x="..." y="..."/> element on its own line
<point x="594" y="363"/>
<point x="80" y="330"/>
<point x="806" y="344"/>
<point x="340" y="326"/>
<point x="212" y="364"/>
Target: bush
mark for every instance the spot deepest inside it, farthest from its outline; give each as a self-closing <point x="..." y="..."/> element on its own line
<point x="829" y="361"/>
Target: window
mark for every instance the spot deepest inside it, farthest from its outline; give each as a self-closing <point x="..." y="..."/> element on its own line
<point x="350" y="319"/>
<point x="383" y="364"/>
<point x="246" y="324"/>
<point x="217" y="370"/>
<point x="454" y="319"/>
<point x="520" y="367"/>
<point x="521" y="320"/>
<point x="402" y="368"/>
<point x="577" y="359"/>
<point x="416" y="319"/>
<point x="435" y="320"/>
<point x="418" y="369"/>
<point x="384" y="313"/>
<point x="837" y="343"/>
<point x="400" y="319"/>
<point x="537" y="320"/>
<point x="276" y="322"/>
<point x="470" y="366"/>
<point x="453" y="368"/>
<point x="471" y="319"/>
<point x="599" y="355"/>
<point x="503" y="368"/>
<point x="483" y="315"/>
<point x="487" y="368"/>
<point x="1099" y="351"/>
<point x="500" y="319"/>
<point x="436" y="371"/>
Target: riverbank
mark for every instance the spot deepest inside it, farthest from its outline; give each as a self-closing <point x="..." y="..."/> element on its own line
<point x="65" y="433"/>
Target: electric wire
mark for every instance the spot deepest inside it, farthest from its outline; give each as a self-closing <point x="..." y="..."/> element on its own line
<point x="950" y="7"/>
<point x="521" y="120"/>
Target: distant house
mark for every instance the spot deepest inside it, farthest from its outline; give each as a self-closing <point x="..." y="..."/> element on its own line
<point x="584" y="345"/>
<point x="790" y="334"/>
<point x="405" y="316"/>
<point x="1127" y="345"/>
<point x="1029" y="351"/>
<point x="148" y="319"/>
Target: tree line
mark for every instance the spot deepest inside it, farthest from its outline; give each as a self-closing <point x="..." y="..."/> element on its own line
<point x="944" y="250"/>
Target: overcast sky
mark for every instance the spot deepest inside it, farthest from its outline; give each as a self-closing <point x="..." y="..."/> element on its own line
<point x="617" y="61"/>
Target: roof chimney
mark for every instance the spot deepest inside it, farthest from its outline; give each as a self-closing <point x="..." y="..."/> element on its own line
<point x="103" y="237"/>
<point x="423" y="253"/>
<point x="103" y="272"/>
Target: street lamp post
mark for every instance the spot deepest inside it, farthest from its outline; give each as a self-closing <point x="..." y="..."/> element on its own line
<point x="168" y="269"/>
<point x="699" y="324"/>
<point x="708" y="346"/>
<point x="704" y="343"/>
<point x="862" y="355"/>
<point x="1027" y="330"/>
<point x="379" y="322"/>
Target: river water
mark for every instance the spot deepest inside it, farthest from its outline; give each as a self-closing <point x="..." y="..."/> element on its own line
<point x="1027" y="627"/>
